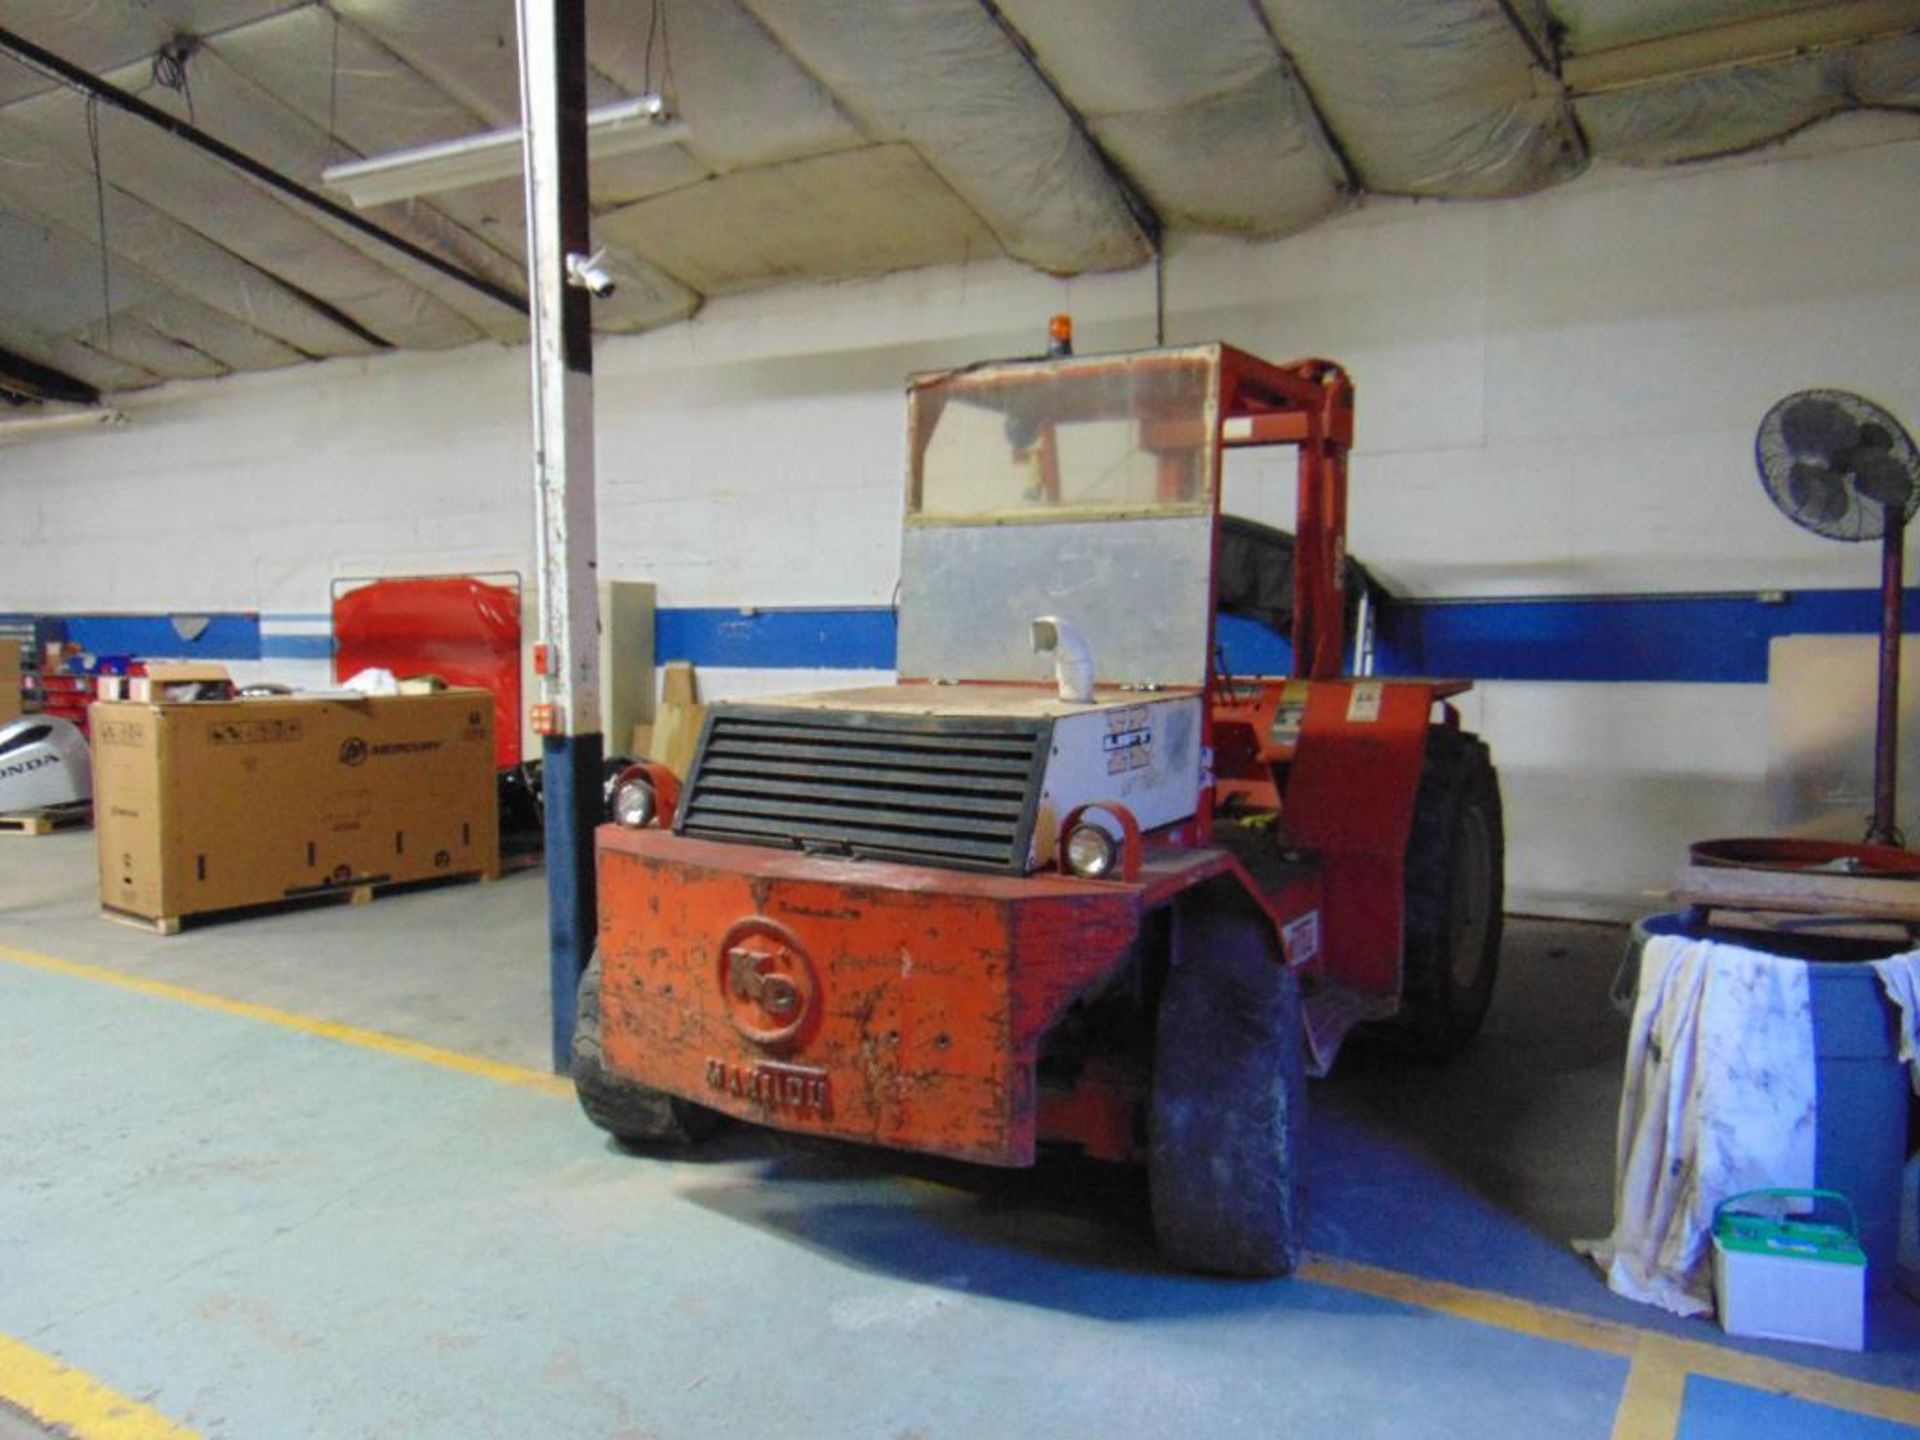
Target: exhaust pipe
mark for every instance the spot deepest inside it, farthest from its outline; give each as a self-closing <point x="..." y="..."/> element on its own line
<point x="1072" y="657"/>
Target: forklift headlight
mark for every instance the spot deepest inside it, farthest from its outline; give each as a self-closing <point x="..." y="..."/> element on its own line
<point x="634" y="803"/>
<point x="1091" y="851"/>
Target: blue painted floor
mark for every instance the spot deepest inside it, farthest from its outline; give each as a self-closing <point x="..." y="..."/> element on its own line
<point x="1716" y="1410"/>
<point x="266" y="1234"/>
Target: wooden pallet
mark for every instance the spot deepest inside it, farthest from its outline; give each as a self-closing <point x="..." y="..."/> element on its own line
<point x="345" y="895"/>
<point x="45" y="822"/>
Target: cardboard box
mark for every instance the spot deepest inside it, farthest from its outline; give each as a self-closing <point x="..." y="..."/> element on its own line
<point x="177" y="680"/>
<point x="11" y="702"/>
<point x="677" y="723"/>
<point x="218" y="804"/>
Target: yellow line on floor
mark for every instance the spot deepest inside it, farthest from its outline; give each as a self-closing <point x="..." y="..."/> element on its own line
<point x="496" y="1070"/>
<point x="1463" y="1302"/>
<point x="1691" y="1357"/>
<point x="1485" y="1307"/>
<point x="1656" y="1389"/>
<point x="76" y="1403"/>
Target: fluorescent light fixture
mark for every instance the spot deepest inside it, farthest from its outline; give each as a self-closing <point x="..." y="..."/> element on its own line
<point x="34" y="426"/>
<point x="617" y="129"/>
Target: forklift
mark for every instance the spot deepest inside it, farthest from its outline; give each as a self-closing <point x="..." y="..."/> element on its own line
<point x="1068" y="882"/>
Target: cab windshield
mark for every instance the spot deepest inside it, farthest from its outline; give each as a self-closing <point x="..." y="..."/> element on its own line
<point x="1037" y="442"/>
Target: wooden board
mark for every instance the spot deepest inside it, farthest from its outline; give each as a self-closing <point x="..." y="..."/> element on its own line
<point x="1799" y="893"/>
<point x="45" y="822"/>
<point x="346" y="894"/>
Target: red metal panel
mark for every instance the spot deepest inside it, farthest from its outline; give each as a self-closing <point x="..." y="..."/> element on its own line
<point x="891" y="1004"/>
<point x="1350" y="794"/>
<point x="459" y="628"/>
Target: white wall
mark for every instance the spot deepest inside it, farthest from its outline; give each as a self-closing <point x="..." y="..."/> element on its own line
<point x="1557" y="395"/>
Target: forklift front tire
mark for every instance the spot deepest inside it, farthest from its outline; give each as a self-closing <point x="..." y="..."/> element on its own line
<point x="632" y="1113"/>
<point x="1228" y="1108"/>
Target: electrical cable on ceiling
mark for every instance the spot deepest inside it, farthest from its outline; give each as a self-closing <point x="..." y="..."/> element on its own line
<point x="1160" y="294"/>
<point x="170" y="71"/>
<point x="100" y="204"/>
<point x="657" y="26"/>
<point x="653" y="28"/>
<point x="668" y="89"/>
<point x="333" y="87"/>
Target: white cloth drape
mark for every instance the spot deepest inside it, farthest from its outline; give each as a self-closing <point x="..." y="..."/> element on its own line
<point x="1719" y="1098"/>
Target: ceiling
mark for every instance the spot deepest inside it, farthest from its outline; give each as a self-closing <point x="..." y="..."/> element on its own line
<point x="826" y="138"/>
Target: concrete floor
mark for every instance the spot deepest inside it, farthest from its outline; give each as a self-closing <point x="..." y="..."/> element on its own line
<point x="264" y="1232"/>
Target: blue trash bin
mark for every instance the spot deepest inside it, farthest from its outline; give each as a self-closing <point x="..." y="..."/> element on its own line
<point x="1860" y="1085"/>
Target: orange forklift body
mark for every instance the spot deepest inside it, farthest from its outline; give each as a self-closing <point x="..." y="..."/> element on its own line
<point x="895" y="1005"/>
<point x="870" y="998"/>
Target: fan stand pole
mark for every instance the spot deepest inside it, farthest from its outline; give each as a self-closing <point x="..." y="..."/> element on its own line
<point x="1885" y="829"/>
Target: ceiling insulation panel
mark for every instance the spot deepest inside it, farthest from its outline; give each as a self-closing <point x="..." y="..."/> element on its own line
<point x="1266" y="172"/>
<point x="1721" y="111"/>
<point x="747" y="101"/>
<point x="226" y="101"/>
<point x="1432" y="97"/>
<point x="849" y="213"/>
<point x="943" y="77"/>
<point x="131" y="339"/>
<point x="53" y="284"/>
<point x="467" y="48"/>
<point x="1702" y="115"/>
<point x="60" y="352"/>
<point x="381" y="105"/>
<point x="102" y="35"/>
<point x="1588" y="25"/>
<point x="1884" y="74"/>
<point x="1129" y="56"/>
<point x="831" y="138"/>
<point x="1196" y="104"/>
<point x="215" y="200"/>
<point x="234" y="346"/>
<point x="37" y="184"/>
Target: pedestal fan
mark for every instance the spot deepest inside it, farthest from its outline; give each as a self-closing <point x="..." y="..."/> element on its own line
<point x="1841" y="466"/>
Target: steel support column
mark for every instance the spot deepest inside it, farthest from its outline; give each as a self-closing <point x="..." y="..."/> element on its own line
<point x="553" y="104"/>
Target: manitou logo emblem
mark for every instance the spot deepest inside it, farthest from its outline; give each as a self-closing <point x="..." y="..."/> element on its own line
<point x="767" y="983"/>
<point x="793" y="1089"/>
<point x="353" y="751"/>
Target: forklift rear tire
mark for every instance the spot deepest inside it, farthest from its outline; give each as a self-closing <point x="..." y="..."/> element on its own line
<point x="633" y="1113"/>
<point x="1229" y="1095"/>
<point x="1455" y="890"/>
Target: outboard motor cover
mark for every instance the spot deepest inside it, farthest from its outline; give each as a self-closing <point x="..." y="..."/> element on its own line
<point x="44" y="761"/>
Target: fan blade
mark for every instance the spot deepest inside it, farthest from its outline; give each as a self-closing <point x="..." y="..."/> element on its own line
<point x="1818" y="496"/>
<point x="1883" y="480"/>
<point x="1874" y="436"/>
<point x="1818" y="428"/>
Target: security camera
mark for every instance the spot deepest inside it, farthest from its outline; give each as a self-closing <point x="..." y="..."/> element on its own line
<point x="589" y="273"/>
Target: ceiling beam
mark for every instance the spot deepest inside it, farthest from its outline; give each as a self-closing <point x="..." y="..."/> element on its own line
<point x="1545" y="50"/>
<point x="1764" y="38"/>
<point x="1336" y="149"/>
<point x="34" y="381"/>
<point x="91" y="84"/>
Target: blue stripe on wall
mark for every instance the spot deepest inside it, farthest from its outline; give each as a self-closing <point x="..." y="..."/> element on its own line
<point x="850" y="639"/>
<point x="227" y="637"/>
<point x="296" y="647"/>
<point x="1699" y="639"/>
<point x="1691" y="638"/>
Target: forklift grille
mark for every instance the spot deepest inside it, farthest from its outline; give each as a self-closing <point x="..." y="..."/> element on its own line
<point x="954" y="791"/>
